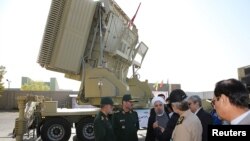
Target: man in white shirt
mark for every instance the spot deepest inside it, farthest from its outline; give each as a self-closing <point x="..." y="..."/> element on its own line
<point x="231" y="100"/>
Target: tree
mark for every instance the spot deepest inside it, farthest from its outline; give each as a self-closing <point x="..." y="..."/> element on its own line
<point x="2" y="72"/>
<point x="35" y="86"/>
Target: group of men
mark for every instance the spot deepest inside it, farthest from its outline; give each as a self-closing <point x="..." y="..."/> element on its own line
<point x="178" y="118"/>
<point x="184" y="118"/>
<point x="122" y="126"/>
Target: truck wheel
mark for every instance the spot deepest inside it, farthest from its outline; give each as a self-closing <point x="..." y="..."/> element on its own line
<point x="56" y="129"/>
<point x="85" y="129"/>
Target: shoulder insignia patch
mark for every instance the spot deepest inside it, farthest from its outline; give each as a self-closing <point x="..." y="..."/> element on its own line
<point x="116" y="112"/>
<point x="180" y="120"/>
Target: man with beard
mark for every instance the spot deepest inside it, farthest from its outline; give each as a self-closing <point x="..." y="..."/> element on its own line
<point x="126" y="121"/>
<point x="158" y="121"/>
<point x="102" y="124"/>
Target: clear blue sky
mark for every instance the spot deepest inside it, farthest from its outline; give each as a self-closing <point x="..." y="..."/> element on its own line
<point x="192" y="42"/>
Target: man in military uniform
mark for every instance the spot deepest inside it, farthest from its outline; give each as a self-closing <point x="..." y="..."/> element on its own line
<point x="188" y="126"/>
<point x="102" y="124"/>
<point x="125" y="121"/>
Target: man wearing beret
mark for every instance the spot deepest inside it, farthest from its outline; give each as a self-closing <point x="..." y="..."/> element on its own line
<point x="125" y="121"/>
<point x="188" y="126"/>
<point x="102" y="124"/>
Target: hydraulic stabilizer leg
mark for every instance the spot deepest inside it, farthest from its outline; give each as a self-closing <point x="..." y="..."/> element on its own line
<point x="20" y="126"/>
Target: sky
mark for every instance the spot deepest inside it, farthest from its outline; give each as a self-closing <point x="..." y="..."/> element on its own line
<point x="195" y="43"/>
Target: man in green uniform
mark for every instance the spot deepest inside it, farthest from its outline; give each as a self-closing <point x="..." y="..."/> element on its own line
<point x="102" y="124"/>
<point x="125" y="121"/>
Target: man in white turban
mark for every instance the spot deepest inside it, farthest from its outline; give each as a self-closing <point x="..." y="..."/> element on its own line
<point x="158" y="122"/>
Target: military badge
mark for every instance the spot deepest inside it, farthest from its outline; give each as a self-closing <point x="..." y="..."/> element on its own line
<point x="180" y="120"/>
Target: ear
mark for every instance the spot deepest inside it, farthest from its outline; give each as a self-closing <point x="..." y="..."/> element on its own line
<point x="224" y="99"/>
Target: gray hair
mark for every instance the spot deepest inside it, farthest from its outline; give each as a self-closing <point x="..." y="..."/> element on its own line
<point x="183" y="105"/>
<point x="195" y="98"/>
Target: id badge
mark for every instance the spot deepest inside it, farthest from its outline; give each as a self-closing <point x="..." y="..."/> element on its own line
<point x="122" y="122"/>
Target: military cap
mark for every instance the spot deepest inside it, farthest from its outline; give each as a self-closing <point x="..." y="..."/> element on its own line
<point x="176" y="95"/>
<point x="106" y="101"/>
<point x="127" y="97"/>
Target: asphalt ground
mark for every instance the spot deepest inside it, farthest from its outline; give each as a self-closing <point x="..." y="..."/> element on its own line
<point x="7" y="123"/>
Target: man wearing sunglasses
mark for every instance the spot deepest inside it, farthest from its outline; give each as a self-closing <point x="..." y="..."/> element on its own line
<point x="231" y="99"/>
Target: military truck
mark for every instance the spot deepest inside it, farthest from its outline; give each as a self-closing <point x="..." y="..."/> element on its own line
<point x="93" y="42"/>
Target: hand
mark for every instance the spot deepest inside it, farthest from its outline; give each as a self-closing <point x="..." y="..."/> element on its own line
<point x="155" y="124"/>
<point x="162" y="129"/>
